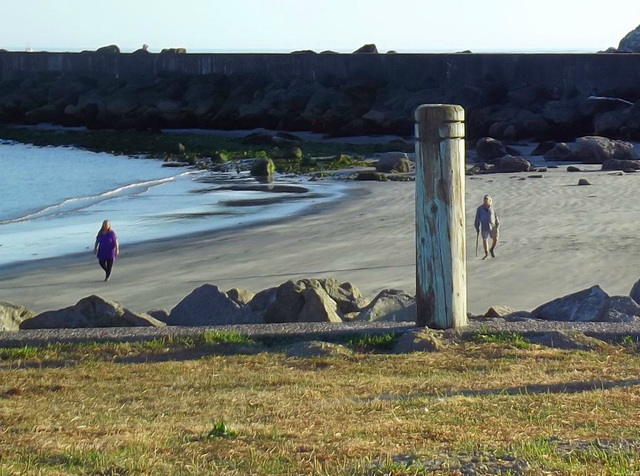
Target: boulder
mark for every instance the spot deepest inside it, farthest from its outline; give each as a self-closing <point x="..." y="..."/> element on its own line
<point x="510" y="164"/>
<point x="621" y="309"/>
<point x="262" y="300"/>
<point x="371" y="176"/>
<point x="241" y="297"/>
<point x="573" y="168"/>
<point x="583" y="181"/>
<point x="631" y="42"/>
<point x="263" y="167"/>
<point x="503" y="311"/>
<point x="635" y="292"/>
<point x="160" y="314"/>
<point x="367" y="49"/>
<point x="390" y="305"/>
<point x="394" y="164"/>
<point x="92" y="311"/>
<point x="11" y="315"/>
<point x="418" y="340"/>
<point x="176" y="51"/>
<point x="560" y="152"/>
<point x="287" y="304"/>
<point x="110" y="49"/>
<point x="318" y="307"/>
<point x="317" y="349"/>
<point x="208" y="306"/>
<point x="308" y="300"/>
<point x="585" y="305"/>
<point x="615" y="164"/>
<point x="597" y="150"/>
<point x="543" y="147"/>
<point x="489" y="149"/>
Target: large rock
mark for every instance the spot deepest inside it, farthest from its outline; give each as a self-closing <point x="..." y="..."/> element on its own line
<point x="241" y="297"/>
<point x="631" y="42"/>
<point x="489" y="149"/>
<point x="208" y="306"/>
<point x="318" y="307"/>
<point x="559" y="152"/>
<point x="510" y="164"/>
<point x="394" y="163"/>
<point x="620" y="309"/>
<point x="92" y="311"/>
<point x="11" y="315"/>
<point x="367" y="49"/>
<point x="597" y="150"/>
<point x="390" y="305"/>
<point x="585" y="305"/>
<point x="635" y="292"/>
<point x="263" y="167"/>
<point x="543" y="147"/>
<point x="287" y="304"/>
<point x="615" y="164"/>
<point x="306" y="300"/>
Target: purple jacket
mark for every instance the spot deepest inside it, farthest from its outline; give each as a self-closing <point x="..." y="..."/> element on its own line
<point x="106" y="245"/>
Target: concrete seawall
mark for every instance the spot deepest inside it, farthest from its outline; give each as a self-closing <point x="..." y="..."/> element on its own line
<point x="507" y="95"/>
<point x="583" y="71"/>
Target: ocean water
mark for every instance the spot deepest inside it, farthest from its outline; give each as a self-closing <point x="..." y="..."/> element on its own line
<point x="54" y="200"/>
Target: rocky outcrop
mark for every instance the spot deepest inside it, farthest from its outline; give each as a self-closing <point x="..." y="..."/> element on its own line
<point x="263" y="167"/>
<point x="391" y="305"/>
<point x="631" y="42"/>
<point x="511" y="164"/>
<point x="394" y="163"/>
<point x="597" y="150"/>
<point x="586" y="305"/>
<point x="560" y="152"/>
<point x="615" y="164"/>
<point x="590" y="305"/>
<point x="12" y="315"/>
<point x="489" y="149"/>
<point x="208" y="306"/>
<point x="308" y="300"/>
<point x="92" y="311"/>
<point x="241" y="297"/>
<point x="318" y="307"/>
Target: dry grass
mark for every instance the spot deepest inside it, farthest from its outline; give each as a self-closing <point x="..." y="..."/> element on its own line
<point x="172" y="408"/>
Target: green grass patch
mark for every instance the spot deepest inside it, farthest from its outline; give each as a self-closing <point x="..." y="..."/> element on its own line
<point x="373" y="342"/>
<point x="512" y="339"/>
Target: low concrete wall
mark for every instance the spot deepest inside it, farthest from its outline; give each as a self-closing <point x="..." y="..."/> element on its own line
<point x="583" y="71"/>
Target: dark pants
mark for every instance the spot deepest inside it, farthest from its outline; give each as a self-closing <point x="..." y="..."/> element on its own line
<point x="106" y="264"/>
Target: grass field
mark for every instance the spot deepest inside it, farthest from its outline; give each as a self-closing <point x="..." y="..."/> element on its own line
<point x="194" y="406"/>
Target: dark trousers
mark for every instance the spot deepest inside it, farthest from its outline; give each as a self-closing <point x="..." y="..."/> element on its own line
<point x="106" y="264"/>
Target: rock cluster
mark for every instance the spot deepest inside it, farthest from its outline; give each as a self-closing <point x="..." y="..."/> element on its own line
<point x="357" y="104"/>
<point x="306" y="300"/>
<point x="494" y="157"/>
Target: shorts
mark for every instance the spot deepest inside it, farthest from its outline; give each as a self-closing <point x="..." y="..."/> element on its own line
<point x="493" y="233"/>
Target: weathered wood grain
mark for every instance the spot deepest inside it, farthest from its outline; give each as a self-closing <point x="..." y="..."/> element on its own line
<point x="441" y="276"/>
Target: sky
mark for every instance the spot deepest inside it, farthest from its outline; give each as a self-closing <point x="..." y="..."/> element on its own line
<point x="405" y="26"/>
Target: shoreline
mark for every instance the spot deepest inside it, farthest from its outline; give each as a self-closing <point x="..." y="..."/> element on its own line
<point x="557" y="238"/>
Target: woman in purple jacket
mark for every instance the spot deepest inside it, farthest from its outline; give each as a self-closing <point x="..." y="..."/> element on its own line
<point x="106" y="248"/>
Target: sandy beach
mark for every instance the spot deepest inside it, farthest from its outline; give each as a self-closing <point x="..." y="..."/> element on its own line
<point x="556" y="238"/>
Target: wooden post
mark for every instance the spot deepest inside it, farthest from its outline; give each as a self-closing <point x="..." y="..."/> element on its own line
<point x="441" y="261"/>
